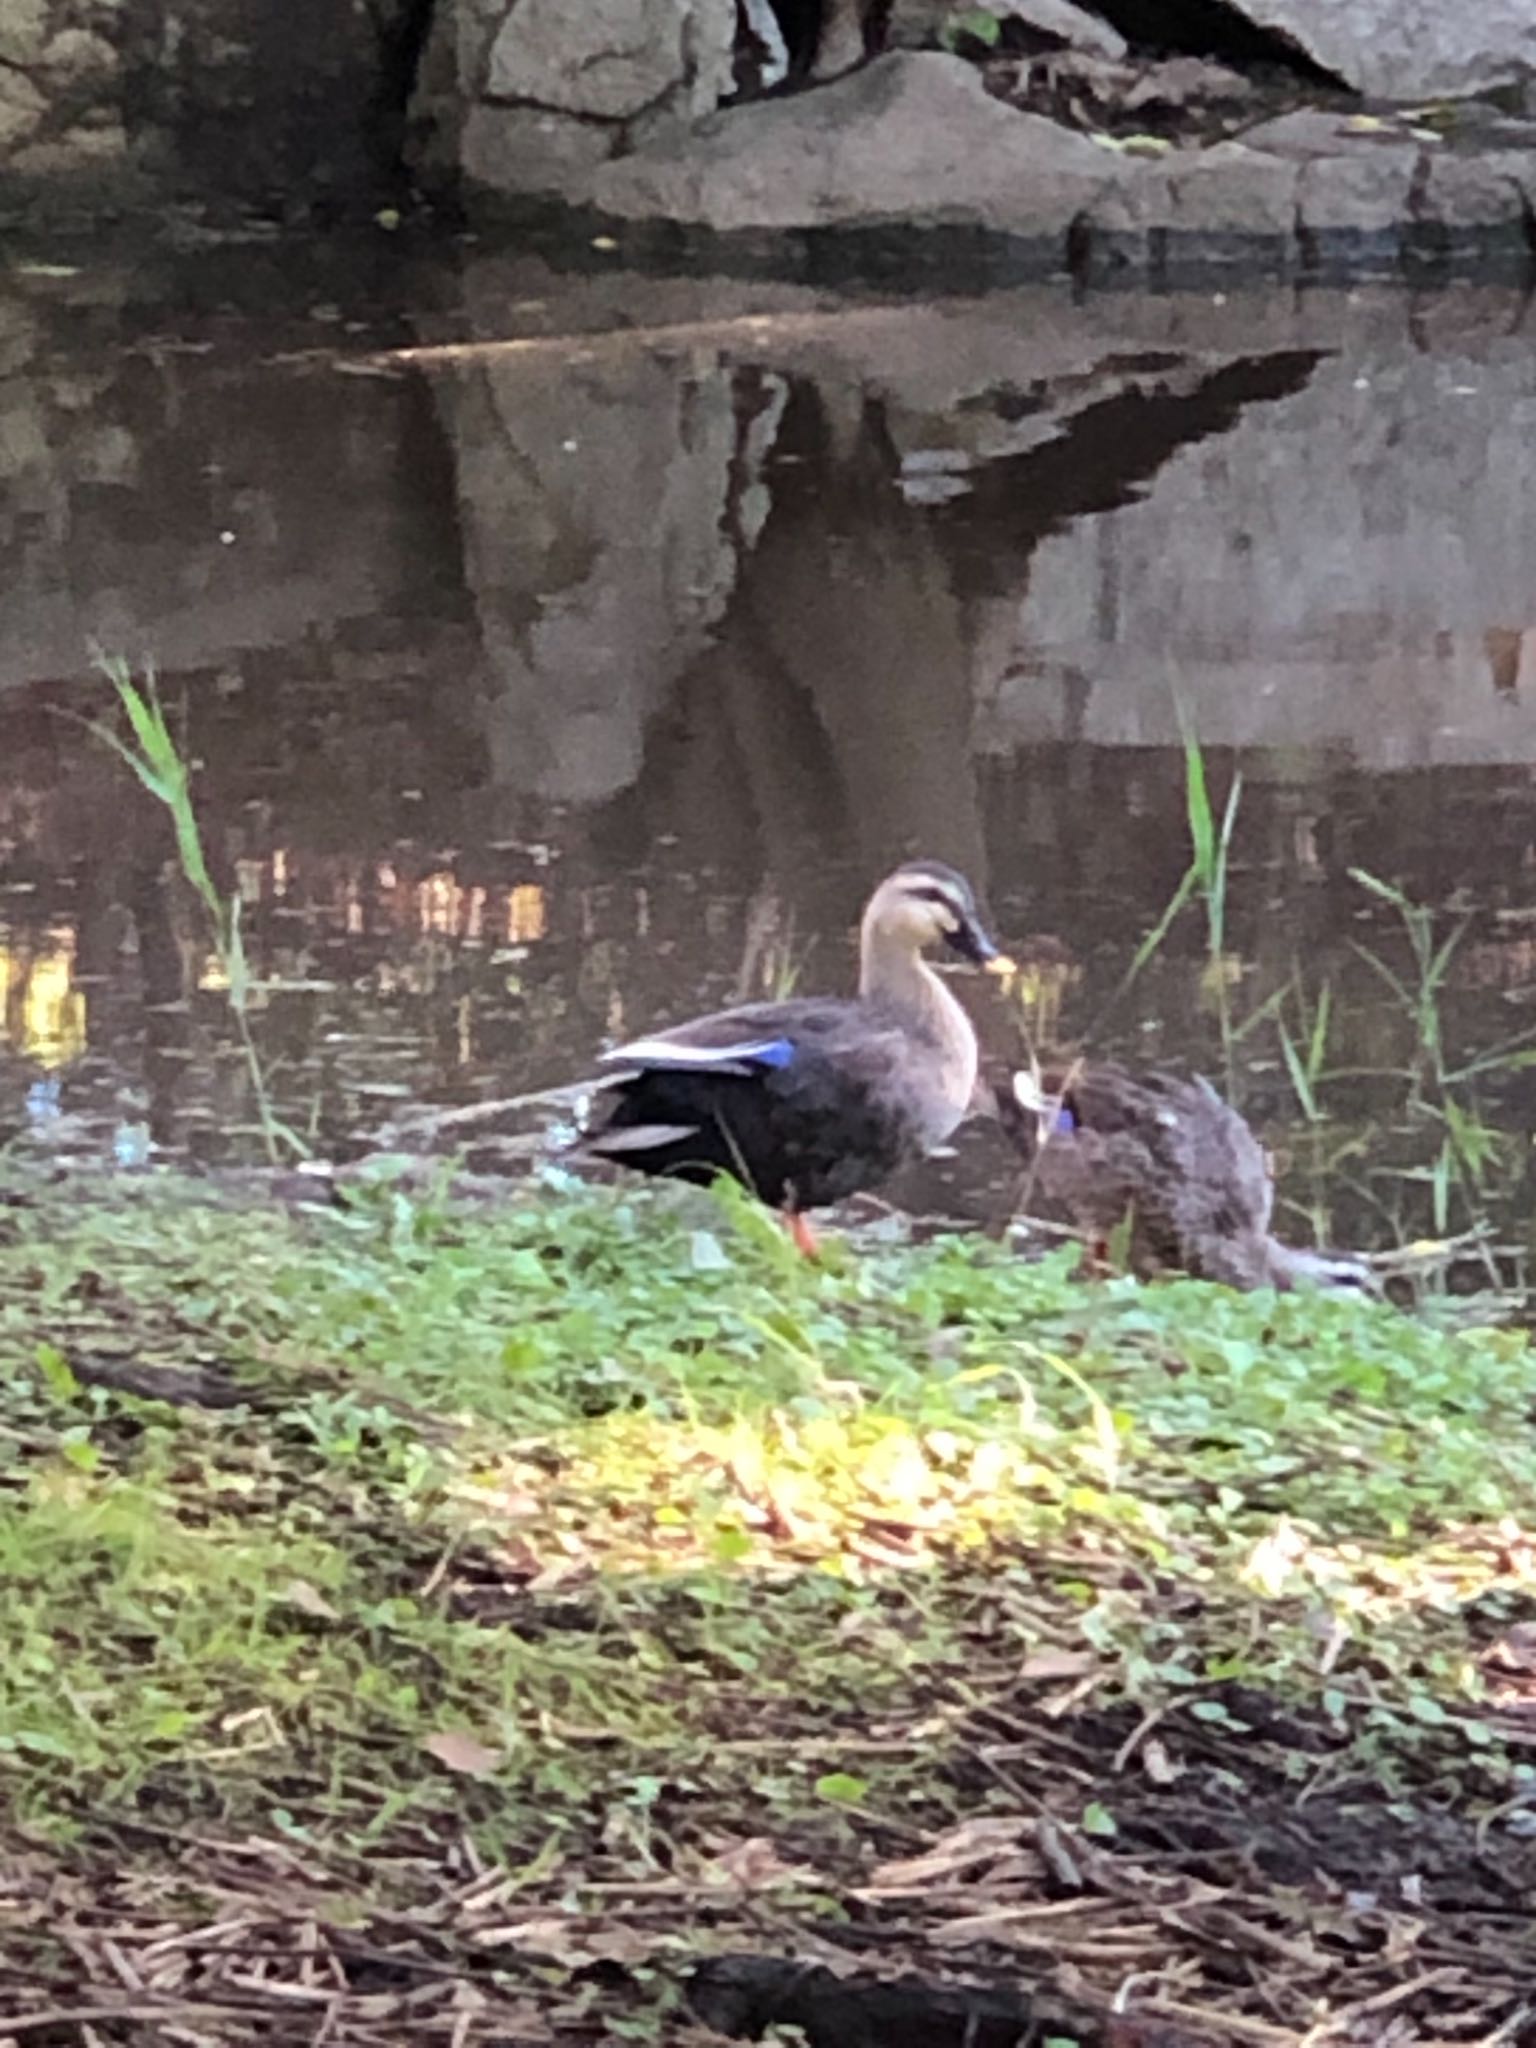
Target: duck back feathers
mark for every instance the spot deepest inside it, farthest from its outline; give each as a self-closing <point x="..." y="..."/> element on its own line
<point x="1105" y="1144"/>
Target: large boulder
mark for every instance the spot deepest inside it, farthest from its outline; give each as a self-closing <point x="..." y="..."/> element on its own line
<point x="613" y="59"/>
<point x="1410" y="49"/>
<point x="528" y="96"/>
<point x="915" y="139"/>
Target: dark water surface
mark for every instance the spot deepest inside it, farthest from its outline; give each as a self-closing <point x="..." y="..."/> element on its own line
<point x="547" y="692"/>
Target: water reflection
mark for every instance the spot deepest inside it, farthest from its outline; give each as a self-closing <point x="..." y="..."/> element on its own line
<point x="546" y="693"/>
<point x="41" y="1003"/>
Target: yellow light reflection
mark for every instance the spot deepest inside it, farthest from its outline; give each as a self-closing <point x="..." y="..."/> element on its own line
<point x="42" y="1013"/>
<point x="1040" y="988"/>
<point x="527" y="914"/>
<point x="437" y="903"/>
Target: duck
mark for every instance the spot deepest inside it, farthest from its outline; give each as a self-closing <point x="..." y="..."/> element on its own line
<point x="1164" y="1152"/>
<point x="807" y="1101"/>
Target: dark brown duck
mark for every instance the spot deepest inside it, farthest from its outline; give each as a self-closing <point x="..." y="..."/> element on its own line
<point x="1163" y="1153"/>
<point x="809" y="1101"/>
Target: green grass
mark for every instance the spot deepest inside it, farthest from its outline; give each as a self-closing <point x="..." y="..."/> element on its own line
<point x="600" y="1533"/>
<point x="660" y="1418"/>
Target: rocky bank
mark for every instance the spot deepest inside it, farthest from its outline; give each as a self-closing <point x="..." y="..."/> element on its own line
<point x="1133" y="133"/>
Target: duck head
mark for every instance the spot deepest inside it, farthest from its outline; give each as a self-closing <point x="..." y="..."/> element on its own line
<point x="924" y="903"/>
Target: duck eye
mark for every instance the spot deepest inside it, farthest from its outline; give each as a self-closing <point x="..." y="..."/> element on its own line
<point x="946" y="916"/>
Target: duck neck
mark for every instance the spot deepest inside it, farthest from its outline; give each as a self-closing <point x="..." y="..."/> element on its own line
<point x="893" y="974"/>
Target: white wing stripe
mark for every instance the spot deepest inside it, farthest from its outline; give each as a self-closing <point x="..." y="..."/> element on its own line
<point x="640" y="1138"/>
<point x="665" y="1052"/>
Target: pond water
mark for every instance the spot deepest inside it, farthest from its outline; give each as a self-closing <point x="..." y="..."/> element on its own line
<point x="563" y="651"/>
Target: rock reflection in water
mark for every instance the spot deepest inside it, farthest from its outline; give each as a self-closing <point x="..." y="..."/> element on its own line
<point x="545" y="693"/>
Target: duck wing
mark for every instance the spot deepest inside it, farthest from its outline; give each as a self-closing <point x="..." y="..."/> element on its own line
<point x="764" y="1038"/>
<point x="802" y="1101"/>
<point x="743" y="1041"/>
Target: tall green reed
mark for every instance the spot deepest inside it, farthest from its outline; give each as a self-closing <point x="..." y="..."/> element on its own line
<point x="151" y="752"/>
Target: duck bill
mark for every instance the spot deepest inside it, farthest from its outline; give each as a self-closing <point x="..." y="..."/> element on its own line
<point x="975" y="945"/>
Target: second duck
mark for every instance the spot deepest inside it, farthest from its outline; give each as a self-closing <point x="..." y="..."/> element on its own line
<point x="1162" y="1153"/>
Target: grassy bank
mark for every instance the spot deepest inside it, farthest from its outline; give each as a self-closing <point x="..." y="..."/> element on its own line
<point x="507" y="1609"/>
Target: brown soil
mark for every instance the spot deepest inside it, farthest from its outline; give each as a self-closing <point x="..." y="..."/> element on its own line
<point x="1120" y="1882"/>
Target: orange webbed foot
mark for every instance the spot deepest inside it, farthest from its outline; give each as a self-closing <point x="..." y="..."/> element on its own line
<point x="801" y="1234"/>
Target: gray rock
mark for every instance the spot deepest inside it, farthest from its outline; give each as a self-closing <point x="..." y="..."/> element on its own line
<point x="530" y="149"/>
<point x="911" y="138"/>
<point x="451" y="78"/>
<point x="22" y="108"/>
<point x="1309" y="132"/>
<point x="1077" y="28"/>
<point x="88" y="145"/>
<point x="916" y="24"/>
<point x="1478" y="195"/>
<point x="1410" y="49"/>
<point x="1352" y="182"/>
<point x="1357" y="196"/>
<point x="1228" y="190"/>
<point x="614" y="58"/>
<point x="77" y="56"/>
<point x="24" y="29"/>
<point x="917" y="140"/>
<point x="242" y="101"/>
<point x="840" y="45"/>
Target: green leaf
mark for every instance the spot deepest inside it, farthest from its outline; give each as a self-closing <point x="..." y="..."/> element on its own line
<point x="972" y="24"/>
<point x="1317" y="1050"/>
<point x="56" y="1372"/>
<point x="1271" y="1003"/>
<point x="1301" y="1081"/>
<point x="42" y="1744"/>
<point x="842" y="1788"/>
<point x="1154" y="939"/>
<point x="1374" y="884"/>
<point x="1098" y="1820"/>
<point x="1202" y="826"/>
